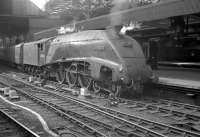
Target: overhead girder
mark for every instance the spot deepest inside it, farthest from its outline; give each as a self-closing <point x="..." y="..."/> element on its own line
<point x="157" y="11"/>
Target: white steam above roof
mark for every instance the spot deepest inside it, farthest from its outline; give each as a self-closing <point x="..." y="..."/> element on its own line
<point x="40" y="3"/>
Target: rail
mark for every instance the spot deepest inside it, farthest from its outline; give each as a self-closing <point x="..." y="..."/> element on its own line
<point x="164" y="130"/>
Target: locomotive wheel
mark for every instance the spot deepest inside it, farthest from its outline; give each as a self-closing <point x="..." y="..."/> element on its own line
<point x="29" y="69"/>
<point x="72" y="76"/>
<point x="118" y="90"/>
<point x="96" y="87"/>
<point x="39" y="74"/>
<point x="84" y="81"/>
<point x="24" y="68"/>
<point x="33" y="71"/>
<point x="60" y="75"/>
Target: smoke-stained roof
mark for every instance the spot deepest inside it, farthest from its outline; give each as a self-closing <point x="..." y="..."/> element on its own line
<point x="92" y="8"/>
<point x="163" y="9"/>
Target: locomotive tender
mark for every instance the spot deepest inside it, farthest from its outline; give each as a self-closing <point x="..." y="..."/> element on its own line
<point x="99" y="59"/>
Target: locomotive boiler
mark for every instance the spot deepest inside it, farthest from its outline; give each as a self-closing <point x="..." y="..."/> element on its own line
<point x="101" y="60"/>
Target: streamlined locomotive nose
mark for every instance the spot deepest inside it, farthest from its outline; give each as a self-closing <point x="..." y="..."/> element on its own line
<point x="130" y="74"/>
<point x="124" y="76"/>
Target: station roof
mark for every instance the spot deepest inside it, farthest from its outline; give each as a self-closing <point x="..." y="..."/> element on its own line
<point x="157" y="11"/>
<point x="19" y="8"/>
<point x="147" y="13"/>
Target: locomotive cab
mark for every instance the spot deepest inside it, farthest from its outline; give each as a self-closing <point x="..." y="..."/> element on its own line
<point x="34" y="55"/>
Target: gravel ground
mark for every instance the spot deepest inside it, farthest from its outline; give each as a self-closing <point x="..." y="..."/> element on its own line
<point x="28" y="119"/>
<point x="126" y="108"/>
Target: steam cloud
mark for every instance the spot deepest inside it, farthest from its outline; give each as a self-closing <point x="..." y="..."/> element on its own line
<point x="119" y="5"/>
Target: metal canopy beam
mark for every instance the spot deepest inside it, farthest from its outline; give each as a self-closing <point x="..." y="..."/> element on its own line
<point x="157" y="11"/>
<point x="162" y="10"/>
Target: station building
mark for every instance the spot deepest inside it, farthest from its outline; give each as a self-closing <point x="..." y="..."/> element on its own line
<point x="21" y="18"/>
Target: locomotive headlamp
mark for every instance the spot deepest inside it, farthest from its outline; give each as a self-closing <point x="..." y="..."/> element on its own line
<point x="122" y="79"/>
<point x="121" y="69"/>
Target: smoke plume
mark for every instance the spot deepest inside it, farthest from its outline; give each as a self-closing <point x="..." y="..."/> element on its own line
<point x="118" y="5"/>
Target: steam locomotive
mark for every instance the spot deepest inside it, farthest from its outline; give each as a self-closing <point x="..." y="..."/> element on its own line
<point x="102" y="60"/>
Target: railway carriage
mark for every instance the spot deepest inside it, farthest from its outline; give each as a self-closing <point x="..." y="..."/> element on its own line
<point x="7" y="54"/>
<point x="13" y="55"/>
<point x="2" y="53"/>
<point x="18" y="55"/>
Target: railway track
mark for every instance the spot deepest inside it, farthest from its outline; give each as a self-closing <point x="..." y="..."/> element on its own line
<point x="65" y="125"/>
<point x="11" y="126"/>
<point x="104" y="123"/>
<point x="147" y="127"/>
<point x="184" y="116"/>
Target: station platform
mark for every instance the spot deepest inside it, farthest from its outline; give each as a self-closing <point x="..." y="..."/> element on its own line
<point x="179" y="77"/>
<point x="193" y="65"/>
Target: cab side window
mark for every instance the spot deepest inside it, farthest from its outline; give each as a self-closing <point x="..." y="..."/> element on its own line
<point x="40" y="46"/>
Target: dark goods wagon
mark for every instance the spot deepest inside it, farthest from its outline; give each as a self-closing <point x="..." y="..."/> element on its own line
<point x="7" y="55"/>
